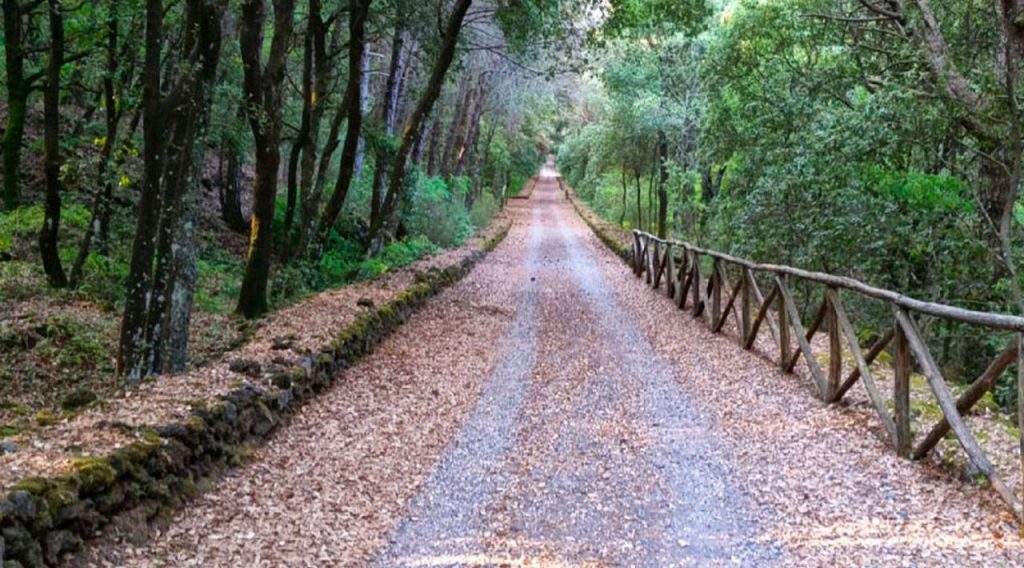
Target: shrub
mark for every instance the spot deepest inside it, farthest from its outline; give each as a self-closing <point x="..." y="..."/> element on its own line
<point x="438" y="212"/>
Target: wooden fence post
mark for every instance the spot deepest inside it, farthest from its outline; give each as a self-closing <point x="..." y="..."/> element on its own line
<point x="670" y="273"/>
<point x="835" y="348"/>
<point x="716" y="294"/>
<point x="1020" y="412"/>
<point x="745" y="277"/>
<point x="901" y="389"/>
<point x="783" y="324"/>
<point x="696" y="285"/>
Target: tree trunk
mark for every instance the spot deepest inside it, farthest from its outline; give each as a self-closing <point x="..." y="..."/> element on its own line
<point x="468" y="147"/>
<point x="625" y="194"/>
<point x="364" y="105"/>
<point x="662" y="184"/>
<point x="323" y="75"/>
<point x="435" y="142"/>
<point x="710" y="182"/>
<point x="299" y="144"/>
<point x="396" y="186"/>
<point x="18" y="89"/>
<point x="479" y="167"/>
<point x="184" y="274"/>
<point x="263" y="92"/>
<point x="174" y="276"/>
<point x="418" y="147"/>
<point x="102" y="202"/>
<point x="311" y="201"/>
<point x="639" y="205"/>
<point x="457" y="129"/>
<point x="48" y="234"/>
<point x="132" y="335"/>
<point x="358" y="12"/>
<point x="389" y="109"/>
<point x="230" y="187"/>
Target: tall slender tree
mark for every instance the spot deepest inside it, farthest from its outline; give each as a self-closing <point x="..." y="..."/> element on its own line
<point x="358" y="12"/>
<point x="263" y="86"/>
<point x="19" y="87"/>
<point x="399" y="170"/>
<point x="131" y="346"/>
<point x="49" y="233"/>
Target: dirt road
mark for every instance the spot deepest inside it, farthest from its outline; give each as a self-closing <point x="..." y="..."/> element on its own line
<point x="550" y="411"/>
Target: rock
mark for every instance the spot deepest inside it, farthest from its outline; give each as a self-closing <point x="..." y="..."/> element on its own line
<point x="20" y="544"/>
<point x="78" y="399"/>
<point x="282" y="381"/>
<point x="175" y="430"/>
<point x="19" y="505"/>
<point x="230" y="412"/>
<point x="264" y="422"/>
<point x="7" y="448"/>
<point x="284" y="398"/>
<point x="364" y="303"/>
<point x="281" y="343"/>
<point x="246" y="367"/>
<point x="306" y="363"/>
<point x="59" y="542"/>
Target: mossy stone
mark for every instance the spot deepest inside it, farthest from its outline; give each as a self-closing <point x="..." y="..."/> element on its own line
<point x="80" y="398"/>
<point x="95" y="474"/>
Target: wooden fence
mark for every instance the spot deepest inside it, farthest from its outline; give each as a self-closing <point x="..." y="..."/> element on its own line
<point x="714" y="297"/>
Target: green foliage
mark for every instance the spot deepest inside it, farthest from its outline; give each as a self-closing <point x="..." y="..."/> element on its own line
<point x="20" y="228"/>
<point x="437" y="212"/>
<point x="484" y="209"/>
<point x="344" y="262"/>
<point x="104" y="282"/>
<point x="647" y="17"/>
<point x="838" y="152"/>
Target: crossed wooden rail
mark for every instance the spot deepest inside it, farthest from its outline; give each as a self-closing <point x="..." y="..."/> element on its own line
<point x="679" y="264"/>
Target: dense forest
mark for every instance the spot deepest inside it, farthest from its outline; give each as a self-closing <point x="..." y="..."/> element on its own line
<point x="169" y="163"/>
<point x="344" y="280"/>
<point x="879" y="139"/>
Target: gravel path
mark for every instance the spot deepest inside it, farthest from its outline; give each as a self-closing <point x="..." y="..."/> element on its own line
<point x="549" y="410"/>
<point x="604" y="462"/>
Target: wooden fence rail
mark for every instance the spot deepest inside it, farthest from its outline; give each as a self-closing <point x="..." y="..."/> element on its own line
<point x="679" y="266"/>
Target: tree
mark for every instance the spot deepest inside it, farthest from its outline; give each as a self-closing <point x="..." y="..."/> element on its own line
<point x="411" y="131"/>
<point x="19" y="86"/>
<point x="118" y="73"/>
<point x="49" y="232"/>
<point x="358" y="12"/>
<point x="159" y="298"/>
<point x="263" y="100"/>
<point x="132" y="340"/>
<point x="389" y="112"/>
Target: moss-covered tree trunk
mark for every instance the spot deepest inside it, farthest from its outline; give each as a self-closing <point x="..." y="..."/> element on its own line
<point x="175" y="272"/>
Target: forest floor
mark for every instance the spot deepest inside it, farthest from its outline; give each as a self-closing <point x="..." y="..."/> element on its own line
<point x="551" y="410"/>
